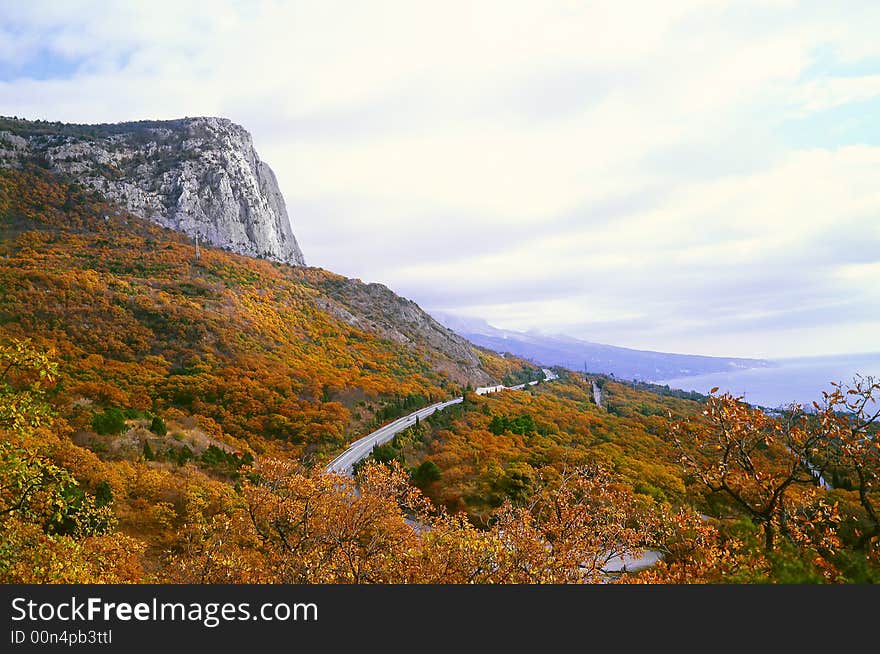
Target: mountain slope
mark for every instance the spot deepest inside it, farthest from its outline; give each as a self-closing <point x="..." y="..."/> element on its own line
<point x="577" y="354"/>
<point x="489" y="449"/>
<point x="264" y="356"/>
<point x="175" y="371"/>
<point x="375" y="308"/>
<point x="199" y="176"/>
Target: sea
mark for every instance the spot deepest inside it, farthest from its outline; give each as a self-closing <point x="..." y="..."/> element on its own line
<point x="796" y="380"/>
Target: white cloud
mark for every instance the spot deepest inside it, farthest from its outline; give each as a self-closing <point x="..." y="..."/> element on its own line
<point x="834" y="92"/>
<point x="621" y="162"/>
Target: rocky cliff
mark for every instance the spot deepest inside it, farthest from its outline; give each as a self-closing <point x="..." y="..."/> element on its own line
<point x="200" y="176"/>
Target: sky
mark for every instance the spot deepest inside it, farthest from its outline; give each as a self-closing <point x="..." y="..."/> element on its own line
<point x="697" y="176"/>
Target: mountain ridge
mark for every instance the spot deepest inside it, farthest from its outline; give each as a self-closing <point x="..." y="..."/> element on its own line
<point x="297" y="356"/>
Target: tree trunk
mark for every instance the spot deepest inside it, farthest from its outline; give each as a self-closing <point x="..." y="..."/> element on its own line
<point x="769" y="535"/>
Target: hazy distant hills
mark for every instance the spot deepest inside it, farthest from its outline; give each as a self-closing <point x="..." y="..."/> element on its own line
<point x="578" y="354"/>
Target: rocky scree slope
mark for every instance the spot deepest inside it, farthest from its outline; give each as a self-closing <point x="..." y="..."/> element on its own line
<point x="375" y="308"/>
<point x="199" y="176"/>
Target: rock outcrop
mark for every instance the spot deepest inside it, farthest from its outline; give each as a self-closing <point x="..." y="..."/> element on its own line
<point x="200" y="176"/>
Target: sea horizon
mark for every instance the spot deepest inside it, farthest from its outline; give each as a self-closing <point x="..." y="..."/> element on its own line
<point x="791" y="380"/>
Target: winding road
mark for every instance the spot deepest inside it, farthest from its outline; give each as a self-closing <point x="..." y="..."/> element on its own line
<point x="361" y="448"/>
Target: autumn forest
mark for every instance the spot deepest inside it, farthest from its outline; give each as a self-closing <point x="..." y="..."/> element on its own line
<point x="167" y="417"/>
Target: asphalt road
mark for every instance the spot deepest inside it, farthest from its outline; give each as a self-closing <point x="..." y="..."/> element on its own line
<point x="362" y="447"/>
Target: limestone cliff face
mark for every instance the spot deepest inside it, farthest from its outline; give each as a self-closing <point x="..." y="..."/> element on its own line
<point x="200" y="176"/>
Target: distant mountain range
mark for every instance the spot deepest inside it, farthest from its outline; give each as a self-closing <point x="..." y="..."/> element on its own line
<point x="577" y="354"/>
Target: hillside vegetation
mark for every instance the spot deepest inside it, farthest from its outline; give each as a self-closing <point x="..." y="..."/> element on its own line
<point x="165" y="417"/>
<point x="260" y="355"/>
<point x="490" y="448"/>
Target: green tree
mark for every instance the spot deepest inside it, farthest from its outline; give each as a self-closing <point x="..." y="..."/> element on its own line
<point x="111" y="421"/>
<point x="157" y="426"/>
<point x="426" y="473"/>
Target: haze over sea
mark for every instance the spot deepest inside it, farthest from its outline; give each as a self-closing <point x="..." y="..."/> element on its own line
<point x="799" y="379"/>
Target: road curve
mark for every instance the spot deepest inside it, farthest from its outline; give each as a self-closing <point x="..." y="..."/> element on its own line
<point x="361" y="448"/>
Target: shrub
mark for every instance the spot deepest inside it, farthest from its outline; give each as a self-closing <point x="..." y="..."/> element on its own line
<point x="158" y="426"/>
<point x="427" y="472"/>
<point x="111" y="421"/>
<point x="184" y="454"/>
<point x="103" y="494"/>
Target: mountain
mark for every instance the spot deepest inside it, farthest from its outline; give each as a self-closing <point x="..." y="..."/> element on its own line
<point x="199" y="176"/>
<point x="265" y="356"/>
<point x="376" y="308"/>
<point x="577" y="354"/>
<point x="163" y="415"/>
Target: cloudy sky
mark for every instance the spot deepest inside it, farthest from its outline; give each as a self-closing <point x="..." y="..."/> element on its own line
<point x="696" y="176"/>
